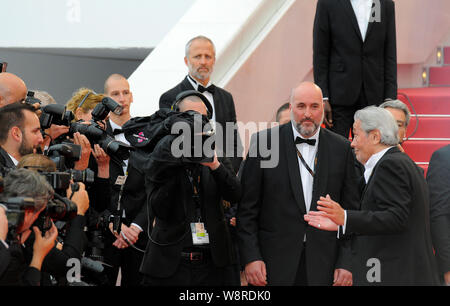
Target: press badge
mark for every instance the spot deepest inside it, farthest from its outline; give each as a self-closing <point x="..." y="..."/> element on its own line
<point x="199" y="234"/>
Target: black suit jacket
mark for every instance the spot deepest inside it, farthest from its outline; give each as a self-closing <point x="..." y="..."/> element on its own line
<point x="224" y="110"/>
<point x="438" y="178"/>
<point x="270" y="214"/>
<point x="134" y="196"/>
<point x="344" y="63"/>
<point x="171" y="202"/>
<point x="5" y="257"/>
<point x="393" y="225"/>
<point x="5" y="160"/>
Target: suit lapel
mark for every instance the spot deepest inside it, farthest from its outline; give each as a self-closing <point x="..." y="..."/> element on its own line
<point x="390" y="151"/>
<point x="186" y="85"/>
<point x="293" y="168"/>
<point x="321" y="172"/>
<point x="351" y="14"/>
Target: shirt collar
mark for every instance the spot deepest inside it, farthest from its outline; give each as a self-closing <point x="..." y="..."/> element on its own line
<point x="371" y="163"/>
<point x="15" y="161"/>
<point x="195" y="83"/>
<point x="114" y="126"/>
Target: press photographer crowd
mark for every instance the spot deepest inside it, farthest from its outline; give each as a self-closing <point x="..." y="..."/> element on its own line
<point x="91" y="196"/>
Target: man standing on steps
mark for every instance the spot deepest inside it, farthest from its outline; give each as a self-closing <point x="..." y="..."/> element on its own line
<point x="200" y="58"/>
<point x="355" y="57"/>
<point x="438" y="179"/>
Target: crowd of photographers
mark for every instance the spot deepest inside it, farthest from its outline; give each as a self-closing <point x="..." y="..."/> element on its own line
<point x="63" y="172"/>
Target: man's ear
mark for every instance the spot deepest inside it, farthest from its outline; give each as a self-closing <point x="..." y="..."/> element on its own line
<point x="376" y="136"/>
<point x="16" y="134"/>
<point x="186" y="61"/>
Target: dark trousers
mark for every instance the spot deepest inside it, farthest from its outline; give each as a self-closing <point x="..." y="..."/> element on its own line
<point x="128" y="260"/>
<point x="191" y="273"/>
<point x="301" y="278"/>
<point x="343" y="115"/>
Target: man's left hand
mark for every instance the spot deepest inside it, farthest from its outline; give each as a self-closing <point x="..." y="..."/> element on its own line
<point x="342" y="278"/>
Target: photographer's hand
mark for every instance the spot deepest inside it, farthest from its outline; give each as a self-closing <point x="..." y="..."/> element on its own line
<point x="131" y="233"/>
<point x="102" y="161"/>
<point x="3" y="224"/>
<point x="80" y="198"/>
<point x="214" y="164"/>
<point x="42" y="245"/>
<point x="86" y="149"/>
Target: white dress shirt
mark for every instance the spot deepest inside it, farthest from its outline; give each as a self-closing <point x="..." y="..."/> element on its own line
<point x="208" y="96"/>
<point x="363" y="10"/>
<point x="15" y="161"/>
<point x="309" y="153"/>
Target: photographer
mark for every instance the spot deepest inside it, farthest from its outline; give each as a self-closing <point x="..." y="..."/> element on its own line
<point x="20" y="133"/>
<point x="25" y="270"/>
<point x="190" y="244"/>
<point x="75" y="240"/>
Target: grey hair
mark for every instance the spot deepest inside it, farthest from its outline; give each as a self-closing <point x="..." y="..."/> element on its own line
<point x="45" y="97"/>
<point x="397" y="104"/>
<point x="27" y="183"/>
<point x="376" y="118"/>
<point x="199" y="37"/>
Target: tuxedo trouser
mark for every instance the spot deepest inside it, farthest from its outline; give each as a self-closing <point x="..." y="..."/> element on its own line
<point x="301" y="278"/>
<point x="343" y="115"/>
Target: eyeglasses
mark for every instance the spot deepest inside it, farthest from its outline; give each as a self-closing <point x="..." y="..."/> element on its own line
<point x="84" y="99"/>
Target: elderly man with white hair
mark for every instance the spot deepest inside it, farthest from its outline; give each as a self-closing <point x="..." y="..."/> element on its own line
<point x="391" y="231"/>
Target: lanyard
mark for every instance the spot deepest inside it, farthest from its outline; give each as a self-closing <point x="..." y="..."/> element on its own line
<point x="194" y="177"/>
<point x="305" y="164"/>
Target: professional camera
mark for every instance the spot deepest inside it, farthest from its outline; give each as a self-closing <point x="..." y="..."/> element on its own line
<point x="31" y="100"/>
<point x="101" y="110"/>
<point x="15" y="209"/>
<point x="58" y="209"/>
<point x="115" y="149"/>
<point x="55" y="114"/>
<point x="3" y="66"/>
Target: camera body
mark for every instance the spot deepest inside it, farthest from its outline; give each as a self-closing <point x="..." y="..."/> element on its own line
<point x="15" y="209"/>
<point x="55" y="114"/>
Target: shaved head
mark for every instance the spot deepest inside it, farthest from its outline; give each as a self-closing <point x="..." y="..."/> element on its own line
<point x="112" y="78"/>
<point x="12" y="89"/>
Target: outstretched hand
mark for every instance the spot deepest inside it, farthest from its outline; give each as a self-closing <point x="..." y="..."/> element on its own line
<point x="319" y="220"/>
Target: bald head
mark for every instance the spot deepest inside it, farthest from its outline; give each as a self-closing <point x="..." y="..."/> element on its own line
<point x="307" y="90"/>
<point x="112" y="79"/>
<point x="12" y="89"/>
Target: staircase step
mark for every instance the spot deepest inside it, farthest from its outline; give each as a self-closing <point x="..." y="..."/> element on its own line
<point x="439" y="76"/>
<point x="447" y="56"/>
<point x="430" y="101"/>
<point x="421" y="150"/>
<point x="429" y="127"/>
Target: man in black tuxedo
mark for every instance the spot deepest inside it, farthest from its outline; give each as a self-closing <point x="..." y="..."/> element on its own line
<point x="200" y="57"/>
<point x="277" y="247"/>
<point x="133" y="230"/>
<point x="355" y="61"/>
<point x="392" y="243"/>
<point x="190" y="244"/>
<point x="438" y="178"/>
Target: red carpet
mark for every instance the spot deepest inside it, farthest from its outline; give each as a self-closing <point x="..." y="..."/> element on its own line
<point x="433" y="105"/>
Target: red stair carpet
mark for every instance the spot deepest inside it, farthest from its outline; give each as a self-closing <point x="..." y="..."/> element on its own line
<point x="429" y="128"/>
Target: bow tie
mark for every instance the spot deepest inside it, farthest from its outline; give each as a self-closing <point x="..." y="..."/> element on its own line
<point x="311" y="142"/>
<point x="117" y="131"/>
<point x="210" y="88"/>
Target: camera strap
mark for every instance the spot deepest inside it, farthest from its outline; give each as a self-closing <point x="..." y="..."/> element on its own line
<point x="194" y="177"/>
